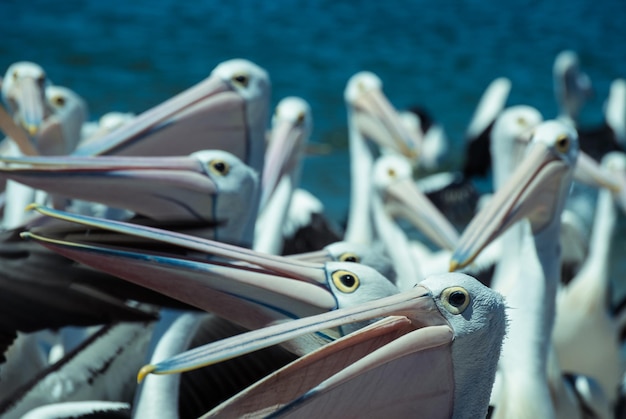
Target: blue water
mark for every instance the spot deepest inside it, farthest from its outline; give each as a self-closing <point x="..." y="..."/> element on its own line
<point x="130" y="55"/>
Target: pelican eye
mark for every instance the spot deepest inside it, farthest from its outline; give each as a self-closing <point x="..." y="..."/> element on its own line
<point x="349" y="257"/>
<point x="300" y="119"/>
<point x="219" y="167"/>
<point x="16" y="74"/>
<point x="241" y="79"/>
<point x="562" y="143"/>
<point x="58" y="100"/>
<point x="455" y="299"/>
<point x="345" y="281"/>
<point x="391" y="173"/>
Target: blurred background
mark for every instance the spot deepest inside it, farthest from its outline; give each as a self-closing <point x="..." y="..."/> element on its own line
<point x="131" y="55"/>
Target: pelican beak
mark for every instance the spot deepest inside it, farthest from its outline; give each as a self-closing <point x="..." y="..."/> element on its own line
<point x="416" y="304"/>
<point x="248" y="287"/>
<point x="201" y="117"/>
<point x="378" y="121"/>
<point x="284" y="150"/>
<point x="316" y="256"/>
<point x="16" y="133"/>
<point x="589" y="172"/>
<point x="29" y="97"/>
<point x="533" y="191"/>
<point x="162" y="188"/>
<point x="411" y="203"/>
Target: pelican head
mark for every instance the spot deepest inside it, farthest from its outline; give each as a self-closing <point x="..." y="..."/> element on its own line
<point x="393" y="179"/>
<point x="226" y="111"/>
<point x="536" y="190"/>
<point x="443" y="337"/>
<point x="572" y="87"/>
<point x="376" y="119"/>
<point x="23" y="89"/>
<point x="61" y="131"/>
<point x="291" y="126"/>
<point x="211" y="187"/>
<point x="509" y="138"/>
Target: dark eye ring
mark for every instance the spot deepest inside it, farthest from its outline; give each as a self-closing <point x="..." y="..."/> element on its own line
<point x="242" y="79"/>
<point x="219" y="166"/>
<point x="349" y="257"/>
<point x="455" y="299"/>
<point x="562" y="143"/>
<point x="345" y="281"/>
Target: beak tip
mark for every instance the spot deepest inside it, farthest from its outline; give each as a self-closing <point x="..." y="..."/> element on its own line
<point x="454" y="265"/>
<point x="32" y="130"/>
<point x="31" y="207"/>
<point x="145" y="370"/>
<point x="457" y="263"/>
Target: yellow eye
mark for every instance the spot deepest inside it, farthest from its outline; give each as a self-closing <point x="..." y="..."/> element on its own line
<point x="349" y="257"/>
<point x="345" y="281"/>
<point x="455" y="299"/>
<point x="219" y="167"/>
<point x="58" y="100"/>
<point x="241" y="79"/>
<point x="562" y="143"/>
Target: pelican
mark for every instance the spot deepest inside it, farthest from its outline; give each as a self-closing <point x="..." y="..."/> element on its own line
<point x="61" y="131"/>
<point x="534" y="195"/>
<point x="412" y="363"/>
<point x="58" y="134"/>
<point x="395" y="189"/>
<point x="572" y="87"/>
<point x="226" y="111"/>
<point x="81" y="296"/>
<point x="586" y="334"/>
<point x="23" y="90"/>
<point x="210" y="188"/>
<point x="291" y="127"/>
<point x="370" y="116"/>
<point x="265" y="289"/>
